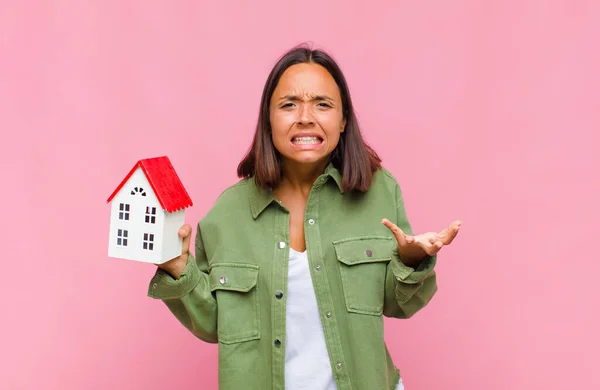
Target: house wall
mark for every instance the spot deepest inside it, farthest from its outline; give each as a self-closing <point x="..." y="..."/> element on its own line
<point x="136" y="226"/>
<point x="171" y="241"/>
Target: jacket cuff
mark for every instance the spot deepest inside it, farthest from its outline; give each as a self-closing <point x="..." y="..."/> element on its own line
<point x="410" y="275"/>
<point x="164" y="286"/>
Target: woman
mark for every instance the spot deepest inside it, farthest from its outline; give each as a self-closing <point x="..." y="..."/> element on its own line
<point x="296" y="264"/>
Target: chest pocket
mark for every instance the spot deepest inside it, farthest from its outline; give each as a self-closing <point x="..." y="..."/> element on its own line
<point x="236" y="289"/>
<point x="363" y="264"/>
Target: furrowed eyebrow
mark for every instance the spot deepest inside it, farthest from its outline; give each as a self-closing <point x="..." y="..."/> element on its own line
<point x="323" y="97"/>
<point x="316" y="97"/>
<point x="288" y="97"/>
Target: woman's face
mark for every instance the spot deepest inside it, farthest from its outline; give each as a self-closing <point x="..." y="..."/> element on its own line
<point x="306" y="114"/>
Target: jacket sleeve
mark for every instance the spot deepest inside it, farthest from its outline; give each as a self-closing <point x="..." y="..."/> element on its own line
<point x="190" y="298"/>
<point x="407" y="290"/>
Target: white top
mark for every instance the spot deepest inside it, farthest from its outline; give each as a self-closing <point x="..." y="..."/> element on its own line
<point x="307" y="365"/>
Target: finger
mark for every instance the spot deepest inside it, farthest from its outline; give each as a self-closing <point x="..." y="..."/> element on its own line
<point x="430" y="243"/>
<point x="453" y="230"/>
<point x="449" y="233"/>
<point x="398" y="233"/>
<point x="185" y="230"/>
<point x="186" y="233"/>
<point x="436" y="243"/>
<point x="426" y="244"/>
<point x="433" y="248"/>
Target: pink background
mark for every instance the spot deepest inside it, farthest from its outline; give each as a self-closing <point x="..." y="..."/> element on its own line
<point x="488" y="111"/>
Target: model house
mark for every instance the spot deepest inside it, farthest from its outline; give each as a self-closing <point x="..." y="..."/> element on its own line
<point x="147" y="210"/>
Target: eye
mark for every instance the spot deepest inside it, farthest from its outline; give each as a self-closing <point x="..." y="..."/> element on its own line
<point x="326" y="105"/>
<point x="287" y="105"/>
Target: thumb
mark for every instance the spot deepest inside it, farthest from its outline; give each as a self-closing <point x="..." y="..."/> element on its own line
<point x="185" y="232"/>
<point x="402" y="238"/>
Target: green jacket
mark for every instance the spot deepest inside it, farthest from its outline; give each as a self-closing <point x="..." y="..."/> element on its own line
<point x="227" y="294"/>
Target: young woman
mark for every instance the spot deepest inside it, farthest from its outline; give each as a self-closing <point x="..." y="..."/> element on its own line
<point x="297" y="263"/>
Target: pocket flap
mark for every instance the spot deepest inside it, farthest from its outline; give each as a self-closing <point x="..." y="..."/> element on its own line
<point x="367" y="249"/>
<point x="233" y="277"/>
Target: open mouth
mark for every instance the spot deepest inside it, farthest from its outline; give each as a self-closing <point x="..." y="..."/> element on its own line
<point x="307" y="140"/>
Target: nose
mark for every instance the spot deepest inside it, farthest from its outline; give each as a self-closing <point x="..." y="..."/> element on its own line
<point x="305" y="115"/>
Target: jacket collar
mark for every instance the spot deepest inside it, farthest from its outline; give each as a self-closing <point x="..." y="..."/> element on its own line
<point x="261" y="198"/>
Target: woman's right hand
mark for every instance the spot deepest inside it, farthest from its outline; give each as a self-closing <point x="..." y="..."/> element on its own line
<point x="175" y="266"/>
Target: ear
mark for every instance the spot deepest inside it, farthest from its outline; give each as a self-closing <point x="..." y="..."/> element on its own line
<point x="343" y="126"/>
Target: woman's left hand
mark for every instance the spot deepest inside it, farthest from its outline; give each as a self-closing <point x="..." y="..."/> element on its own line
<point x="413" y="249"/>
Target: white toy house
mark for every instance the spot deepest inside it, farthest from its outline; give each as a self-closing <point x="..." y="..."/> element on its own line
<point x="147" y="210"/>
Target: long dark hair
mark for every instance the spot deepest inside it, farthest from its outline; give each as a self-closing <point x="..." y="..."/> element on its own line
<point x="356" y="160"/>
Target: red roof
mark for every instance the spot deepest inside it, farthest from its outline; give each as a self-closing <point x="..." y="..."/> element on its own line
<point x="164" y="181"/>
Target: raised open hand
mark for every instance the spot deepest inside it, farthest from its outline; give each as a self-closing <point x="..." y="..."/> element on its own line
<point x="417" y="246"/>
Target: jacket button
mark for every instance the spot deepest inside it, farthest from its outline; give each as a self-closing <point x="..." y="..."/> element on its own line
<point x="311" y="221"/>
<point x="279" y="294"/>
<point x="318" y="267"/>
<point x="277" y="343"/>
<point x="339" y="365"/>
<point x="328" y="314"/>
<point x="281" y="245"/>
<point x="369" y="253"/>
<point x="223" y="280"/>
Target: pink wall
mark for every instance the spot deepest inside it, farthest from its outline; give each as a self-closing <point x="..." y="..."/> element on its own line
<point x="485" y="111"/>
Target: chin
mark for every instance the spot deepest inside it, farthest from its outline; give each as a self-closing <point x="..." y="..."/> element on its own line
<point x="309" y="159"/>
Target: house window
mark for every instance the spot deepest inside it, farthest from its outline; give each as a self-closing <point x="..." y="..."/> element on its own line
<point x="122" y="237"/>
<point x="124" y="211"/>
<point x="150" y="214"/>
<point x="138" y="190"/>
<point x="148" y="241"/>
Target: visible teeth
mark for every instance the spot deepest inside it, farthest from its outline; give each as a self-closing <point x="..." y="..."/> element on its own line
<point x="306" y="140"/>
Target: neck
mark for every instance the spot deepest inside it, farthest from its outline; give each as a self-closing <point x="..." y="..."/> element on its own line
<point x="301" y="176"/>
